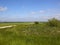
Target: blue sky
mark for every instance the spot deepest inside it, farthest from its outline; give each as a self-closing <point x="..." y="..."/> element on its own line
<point x="29" y="10"/>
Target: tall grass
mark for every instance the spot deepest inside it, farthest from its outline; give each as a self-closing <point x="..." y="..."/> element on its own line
<point x="30" y="34"/>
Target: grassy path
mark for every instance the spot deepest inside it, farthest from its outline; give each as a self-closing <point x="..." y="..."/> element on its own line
<point x="7" y="26"/>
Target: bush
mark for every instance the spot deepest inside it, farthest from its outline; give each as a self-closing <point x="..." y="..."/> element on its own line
<point x="53" y="22"/>
<point x="36" y="22"/>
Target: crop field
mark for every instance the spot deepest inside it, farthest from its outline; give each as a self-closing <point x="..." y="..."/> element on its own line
<point x="29" y="34"/>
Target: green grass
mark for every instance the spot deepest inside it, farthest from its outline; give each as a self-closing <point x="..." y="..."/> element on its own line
<point x="29" y="34"/>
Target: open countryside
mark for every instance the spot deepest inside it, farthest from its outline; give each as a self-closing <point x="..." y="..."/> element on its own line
<point x="29" y="22"/>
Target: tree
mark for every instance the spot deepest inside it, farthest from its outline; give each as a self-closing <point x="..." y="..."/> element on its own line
<point x="36" y="22"/>
<point x="53" y="22"/>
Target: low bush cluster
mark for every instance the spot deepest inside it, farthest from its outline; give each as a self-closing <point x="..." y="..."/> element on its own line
<point x="53" y="22"/>
<point x="36" y="22"/>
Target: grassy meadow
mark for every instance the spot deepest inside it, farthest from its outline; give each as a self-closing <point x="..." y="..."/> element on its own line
<point x="29" y="34"/>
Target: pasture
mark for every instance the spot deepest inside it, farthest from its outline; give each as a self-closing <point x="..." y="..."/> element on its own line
<point x="29" y="34"/>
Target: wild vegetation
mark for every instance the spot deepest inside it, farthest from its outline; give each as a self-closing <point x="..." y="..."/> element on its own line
<point x="53" y="22"/>
<point x="31" y="34"/>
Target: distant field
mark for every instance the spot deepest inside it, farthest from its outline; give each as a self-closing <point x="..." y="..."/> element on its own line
<point x="29" y="34"/>
<point x="14" y="23"/>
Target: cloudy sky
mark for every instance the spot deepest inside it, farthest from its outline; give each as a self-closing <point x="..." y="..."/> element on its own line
<point x="29" y="10"/>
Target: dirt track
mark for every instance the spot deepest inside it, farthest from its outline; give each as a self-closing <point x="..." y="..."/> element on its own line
<point x="7" y="26"/>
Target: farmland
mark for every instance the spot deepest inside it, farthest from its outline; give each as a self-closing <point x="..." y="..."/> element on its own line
<point x="29" y="34"/>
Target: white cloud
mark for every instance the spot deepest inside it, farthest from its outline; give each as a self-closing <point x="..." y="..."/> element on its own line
<point x="42" y="11"/>
<point x="57" y="16"/>
<point x="33" y="12"/>
<point x="3" y="8"/>
<point x="38" y="12"/>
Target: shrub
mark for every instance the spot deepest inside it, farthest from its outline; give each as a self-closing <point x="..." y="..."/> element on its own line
<point x="36" y="22"/>
<point x="53" y="22"/>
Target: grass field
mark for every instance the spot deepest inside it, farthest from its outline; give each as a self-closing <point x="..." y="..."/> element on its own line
<point x="29" y="34"/>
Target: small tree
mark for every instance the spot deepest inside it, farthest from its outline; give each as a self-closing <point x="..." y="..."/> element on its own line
<point x="36" y="22"/>
<point x="53" y="22"/>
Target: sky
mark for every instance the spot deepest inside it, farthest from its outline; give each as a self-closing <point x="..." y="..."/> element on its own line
<point x="29" y="10"/>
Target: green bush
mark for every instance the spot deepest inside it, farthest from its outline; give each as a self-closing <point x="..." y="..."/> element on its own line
<point x="36" y="22"/>
<point x="53" y="22"/>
